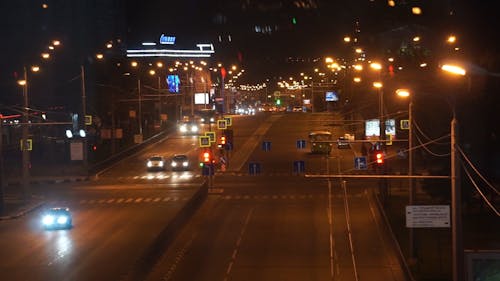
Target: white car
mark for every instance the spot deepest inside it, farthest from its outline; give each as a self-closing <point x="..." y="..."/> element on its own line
<point x="188" y="128"/>
<point x="180" y="162"/>
<point x="57" y="218"/>
<point x="156" y="162"/>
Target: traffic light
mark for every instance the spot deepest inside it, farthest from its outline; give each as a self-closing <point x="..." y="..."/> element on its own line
<point x="379" y="157"/>
<point x="206" y="157"/>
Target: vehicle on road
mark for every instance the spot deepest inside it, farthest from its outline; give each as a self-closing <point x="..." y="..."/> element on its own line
<point x="207" y="116"/>
<point x="320" y="142"/>
<point x="188" y="128"/>
<point x="156" y="162"/>
<point x="297" y="109"/>
<point x="57" y="218"/>
<point x="180" y="162"/>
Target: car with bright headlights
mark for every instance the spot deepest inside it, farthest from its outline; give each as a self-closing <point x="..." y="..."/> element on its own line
<point x="180" y="162"/>
<point x="188" y="128"/>
<point x="57" y="218"/>
<point x="156" y="162"/>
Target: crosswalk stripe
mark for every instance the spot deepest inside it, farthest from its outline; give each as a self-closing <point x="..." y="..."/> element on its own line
<point x="110" y="200"/>
<point x="129" y="200"/>
<point x="148" y="200"/>
<point x="101" y="201"/>
<point x="157" y="199"/>
<point x="120" y="200"/>
<point x="138" y="200"/>
<point x="166" y="199"/>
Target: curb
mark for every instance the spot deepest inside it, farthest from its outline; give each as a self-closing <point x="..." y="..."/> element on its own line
<point x="24" y="211"/>
<point x="48" y="180"/>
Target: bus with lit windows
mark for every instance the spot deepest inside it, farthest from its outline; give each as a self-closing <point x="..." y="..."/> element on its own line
<point x="320" y="142"/>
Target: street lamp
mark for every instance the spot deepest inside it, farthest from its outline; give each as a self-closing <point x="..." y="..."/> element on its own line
<point x="134" y="64"/>
<point x="405" y="93"/>
<point x="456" y="192"/>
<point x="378" y="85"/>
<point x="24" y="142"/>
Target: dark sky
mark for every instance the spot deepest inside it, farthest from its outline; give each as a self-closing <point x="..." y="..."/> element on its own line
<point x="318" y="31"/>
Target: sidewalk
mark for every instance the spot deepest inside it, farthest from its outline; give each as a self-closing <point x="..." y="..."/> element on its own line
<point x="15" y="207"/>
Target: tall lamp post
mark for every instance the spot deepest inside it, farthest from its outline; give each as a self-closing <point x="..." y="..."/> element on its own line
<point x="456" y="192"/>
<point x="25" y="132"/>
<point x="134" y="64"/>
<point x="378" y="84"/>
<point x="405" y="93"/>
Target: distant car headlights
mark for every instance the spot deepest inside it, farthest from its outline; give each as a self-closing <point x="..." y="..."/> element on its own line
<point x="183" y="128"/>
<point x="48" y="220"/>
<point x="185" y="164"/>
<point x="174" y="164"/>
<point x="150" y="164"/>
<point x="52" y="220"/>
<point x="194" y="128"/>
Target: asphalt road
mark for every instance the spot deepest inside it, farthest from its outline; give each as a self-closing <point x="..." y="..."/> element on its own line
<point x="115" y="219"/>
<point x="281" y="226"/>
<point x="277" y="225"/>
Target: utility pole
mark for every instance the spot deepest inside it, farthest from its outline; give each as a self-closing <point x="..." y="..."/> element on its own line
<point x="411" y="188"/>
<point x="139" y="116"/>
<point x="24" y="142"/>
<point x="82" y="123"/>
<point x="456" y="201"/>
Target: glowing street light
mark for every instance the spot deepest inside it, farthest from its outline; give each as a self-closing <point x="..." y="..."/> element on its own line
<point x="454" y="69"/>
<point x="99" y="56"/>
<point x="45" y="55"/>
<point x="376" y="65"/>
<point x="403" y="92"/>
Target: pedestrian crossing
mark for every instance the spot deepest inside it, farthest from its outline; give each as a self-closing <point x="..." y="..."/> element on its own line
<point x="187" y="176"/>
<point x="276" y="197"/>
<point x="174" y="199"/>
<point x="120" y="200"/>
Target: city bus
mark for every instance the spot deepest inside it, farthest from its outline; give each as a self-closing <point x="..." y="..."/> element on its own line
<point x="207" y="116"/>
<point x="320" y="142"/>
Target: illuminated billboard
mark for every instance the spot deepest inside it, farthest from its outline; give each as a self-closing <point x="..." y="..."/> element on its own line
<point x="331" y="96"/>
<point x="173" y="83"/>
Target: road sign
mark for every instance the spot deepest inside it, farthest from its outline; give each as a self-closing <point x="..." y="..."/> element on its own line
<point x="88" y="119"/>
<point x="360" y="163"/>
<point x="221" y="124"/>
<point x="266" y="145"/>
<point x="253" y="168"/>
<point x="211" y="135"/>
<point x="301" y="144"/>
<point x="425" y="216"/>
<point x="204" y="141"/>
<point x="28" y="145"/>
<point x="404" y="124"/>
<point x="229" y="121"/>
<point x="299" y="166"/>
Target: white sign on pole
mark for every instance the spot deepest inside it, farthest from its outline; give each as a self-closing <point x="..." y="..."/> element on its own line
<point x="422" y="216"/>
<point x="76" y="150"/>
